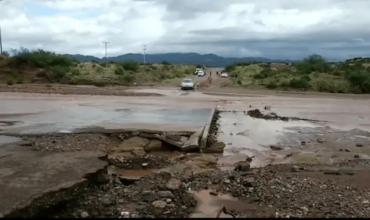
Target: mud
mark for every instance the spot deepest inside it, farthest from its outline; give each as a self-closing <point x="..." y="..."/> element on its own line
<point x="273" y="116"/>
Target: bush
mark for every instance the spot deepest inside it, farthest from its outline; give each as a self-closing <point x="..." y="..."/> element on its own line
<point x="271" y="85"/>
<point x="119" y="70"/>
<point x="128" y="77"/>
<point x="130" y="65"/>
<point x="165" y="63"/>
<point x="9" y="82"/>
<point x="314" y="63"/>
<point x="263" y="74"/>
<point x="301" y="83"/>
<point x="360" y="81"/>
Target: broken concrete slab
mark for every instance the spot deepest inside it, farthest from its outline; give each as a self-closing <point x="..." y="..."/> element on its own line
<point x="27" y="175"/>
<point x="154" y="145"/>
<point x="132" y="144"/>
<point x="217" y="147"/>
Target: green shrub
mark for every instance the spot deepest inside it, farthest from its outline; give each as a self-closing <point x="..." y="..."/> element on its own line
<point x="313" y="63"/>
<point x="119" y="70"/>
<point x="271" y="85"/>
<point x="128" y="77"/>
<point x="360" y="81"/>
<point x="10" y="82"/>
<point x="130" y="66"/>
<point x="301" y="83"/>
<point x="263" y="74"/>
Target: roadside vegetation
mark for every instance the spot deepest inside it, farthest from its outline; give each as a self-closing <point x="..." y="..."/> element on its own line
<point x="42" y="66"/>
<point x="313" y="73"/>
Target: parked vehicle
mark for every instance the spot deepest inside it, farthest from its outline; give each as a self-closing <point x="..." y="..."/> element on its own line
<point x="187" y="84"/>
<point x="224" y="75"/>
<point x="201" y="73"/>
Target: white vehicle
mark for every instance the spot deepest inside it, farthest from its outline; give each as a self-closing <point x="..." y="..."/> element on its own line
<point x="187" y="84"/>
<point x="201" y="73"/>
<point x="197" y="70"/>
<point x="224" y="75"/>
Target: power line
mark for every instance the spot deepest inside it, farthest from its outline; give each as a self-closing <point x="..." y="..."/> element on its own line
<point x="106" y="50"/>
<point x="144" y="54"/>
<point x="1" y="43"/>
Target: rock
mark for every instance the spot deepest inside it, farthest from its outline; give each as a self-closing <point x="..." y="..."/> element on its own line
<point x="273" y="147"/>
<point x="173" y="184"/>
<point x="159" y="204"/>
<point x="154" y="145"/>
<point x="132" y="144"/>
<point x="304" y="209"/>
<point x="84" y="214"/>
<point x="356" y="156"/>
<point x="215" y="148"/>
<point x="303" y="142"/>
<point x="227" y="181"/>
<point x="145" y="165"/>
<point x="242" y="166"/>
<point x="213" y="193"/>
<point x="166" y="194"/>
<point x="295" y="168"/>
<point x="346" y="150"/>
<point x="106" y="201"/>
<point x="148" y="196"/>
<point x="359" y="145"/>
<point x="168" y="200"/>
<point x="125" y="214"/>
<point x="249" y="182"/>
<point x="320" y="141"/>
<point x="183" y="139"/>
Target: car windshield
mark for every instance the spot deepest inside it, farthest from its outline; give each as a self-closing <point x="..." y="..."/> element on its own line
<point x="187" y="81"/>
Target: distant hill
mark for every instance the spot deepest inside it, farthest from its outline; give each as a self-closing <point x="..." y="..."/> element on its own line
<point x="211" y="60"/>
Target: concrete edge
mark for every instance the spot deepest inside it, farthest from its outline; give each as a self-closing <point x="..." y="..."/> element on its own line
<point x="205" y="132"/>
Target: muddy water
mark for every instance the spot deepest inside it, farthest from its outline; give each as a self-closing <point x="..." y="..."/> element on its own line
<point x="44" y="114"/>
<point x="8" y="139"/>
<point x="247" y="136"/>
<point x="209" y="206"/>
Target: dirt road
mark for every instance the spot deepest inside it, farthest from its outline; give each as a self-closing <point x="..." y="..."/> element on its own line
<point x="318" y="146"/>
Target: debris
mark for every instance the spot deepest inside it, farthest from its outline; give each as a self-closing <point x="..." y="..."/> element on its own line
<point x="173" y="184"/>
<point x="273" y="147"/>
<point x="154" y="145"/>
<point x="218" y="147"/>
<point x="320" y="141"/>
<point x="84" y="214"/>
<point x="159" y="204"/>
<point x="242" y="166"/>
<point x="166" y="194"/>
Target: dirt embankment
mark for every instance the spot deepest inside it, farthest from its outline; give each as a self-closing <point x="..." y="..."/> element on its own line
<point x="73" y="89"/>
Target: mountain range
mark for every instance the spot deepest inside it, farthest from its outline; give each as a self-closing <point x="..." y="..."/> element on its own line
<point x="210" y="60"/>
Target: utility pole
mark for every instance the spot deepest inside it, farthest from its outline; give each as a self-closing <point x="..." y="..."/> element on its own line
<point x="106" y="51"/>
<point x="1" y="43"/>
<point x="144" y="54"/>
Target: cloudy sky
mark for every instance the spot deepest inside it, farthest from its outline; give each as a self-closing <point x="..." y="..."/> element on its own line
<point x="293" y="29"/>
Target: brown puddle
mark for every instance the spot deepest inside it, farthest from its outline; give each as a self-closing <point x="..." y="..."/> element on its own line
<point x="210" y="206"/>
<point x="134" y="174"/>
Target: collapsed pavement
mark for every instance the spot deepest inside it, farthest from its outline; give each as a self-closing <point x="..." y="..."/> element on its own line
<point x="143" y="173"/>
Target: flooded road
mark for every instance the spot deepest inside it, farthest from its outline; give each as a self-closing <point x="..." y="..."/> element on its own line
<point x="23" y="113"/>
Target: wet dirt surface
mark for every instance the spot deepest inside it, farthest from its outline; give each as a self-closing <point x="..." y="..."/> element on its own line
<point x="53" y="113"/>
<point x="8" y="139"/>
<point x="317" y="168"/>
